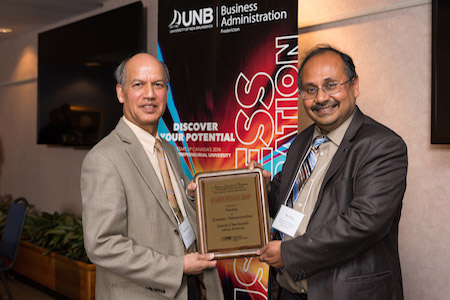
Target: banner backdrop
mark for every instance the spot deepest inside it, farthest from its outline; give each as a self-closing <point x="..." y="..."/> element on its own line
<point x="233" y="96"/>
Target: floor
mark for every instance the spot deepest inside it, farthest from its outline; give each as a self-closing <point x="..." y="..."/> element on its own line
<point x="24" y="289"/>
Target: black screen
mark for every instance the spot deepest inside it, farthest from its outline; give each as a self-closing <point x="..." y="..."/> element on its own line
<point x="77" y="103"/>
<point x="440" y="105"/>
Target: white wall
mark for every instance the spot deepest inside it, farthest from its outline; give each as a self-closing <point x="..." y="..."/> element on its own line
<point x="48" y="176"/>
<point x="392" y="54"/>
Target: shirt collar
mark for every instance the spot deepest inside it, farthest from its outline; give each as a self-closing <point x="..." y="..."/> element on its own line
<point x="146" y="139"/>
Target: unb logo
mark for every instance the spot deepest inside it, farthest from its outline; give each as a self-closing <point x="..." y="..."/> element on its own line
<point x="192" y="18"/>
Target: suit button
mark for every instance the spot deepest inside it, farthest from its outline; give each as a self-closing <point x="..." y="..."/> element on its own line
<point x="176" y="231"/>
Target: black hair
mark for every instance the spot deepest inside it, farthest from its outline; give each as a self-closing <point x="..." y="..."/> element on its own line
<point x="349" y="66"/>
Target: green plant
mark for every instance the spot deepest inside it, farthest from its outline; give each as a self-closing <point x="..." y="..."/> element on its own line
<point x="61" y="233"/>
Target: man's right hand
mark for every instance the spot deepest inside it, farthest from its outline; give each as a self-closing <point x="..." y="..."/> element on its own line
<point x="195" y="263"/>
<point x="266" y="174"/>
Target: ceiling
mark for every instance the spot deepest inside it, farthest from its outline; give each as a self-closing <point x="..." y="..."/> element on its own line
<point x="28" y="15"/>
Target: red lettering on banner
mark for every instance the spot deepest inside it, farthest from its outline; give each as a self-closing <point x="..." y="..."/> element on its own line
<point x="249" y="92"/>
<point x="266" y="120"/>
<point x="260" y="119"/>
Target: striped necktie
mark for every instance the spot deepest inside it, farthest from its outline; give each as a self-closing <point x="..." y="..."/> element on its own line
<point x="306" y="169"/>
<point x="167" y="182"/>
<point x="196" y="286"/>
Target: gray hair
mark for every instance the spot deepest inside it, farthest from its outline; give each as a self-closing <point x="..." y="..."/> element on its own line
<point x="121" y="72"/>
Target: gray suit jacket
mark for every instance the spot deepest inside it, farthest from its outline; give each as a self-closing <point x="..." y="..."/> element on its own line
<point x="350" y="248"/>
<point x="129" y="229"/>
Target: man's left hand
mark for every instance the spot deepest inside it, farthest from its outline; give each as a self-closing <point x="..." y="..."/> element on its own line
<point x="271" y="254"/>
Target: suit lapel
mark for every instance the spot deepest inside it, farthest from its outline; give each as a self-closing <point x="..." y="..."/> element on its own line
<point x="341" y="153"/>
<point x="345" y="145"/>
<point x="140" y="160"/>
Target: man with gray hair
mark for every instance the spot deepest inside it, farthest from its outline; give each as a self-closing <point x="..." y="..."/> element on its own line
<point x="138" y="220"/>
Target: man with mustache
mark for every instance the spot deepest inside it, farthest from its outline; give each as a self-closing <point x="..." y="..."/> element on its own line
<point x="139" y="223"/>
<point x="337" y="207"/>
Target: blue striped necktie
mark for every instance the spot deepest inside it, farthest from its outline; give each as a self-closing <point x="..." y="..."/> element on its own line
<point x="306" y="169"/>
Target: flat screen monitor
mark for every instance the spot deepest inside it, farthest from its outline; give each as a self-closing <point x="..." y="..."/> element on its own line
<point x="77" y="103"/>
<point x="440" y="98"/>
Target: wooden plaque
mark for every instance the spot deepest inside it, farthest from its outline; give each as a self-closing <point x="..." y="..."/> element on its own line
<point x="232" y="212"/>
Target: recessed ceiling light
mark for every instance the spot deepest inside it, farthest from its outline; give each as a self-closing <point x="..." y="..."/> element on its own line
<point x="5" y="30"/>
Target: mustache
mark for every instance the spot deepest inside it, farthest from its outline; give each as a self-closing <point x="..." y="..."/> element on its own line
<point x="328" y="103"/>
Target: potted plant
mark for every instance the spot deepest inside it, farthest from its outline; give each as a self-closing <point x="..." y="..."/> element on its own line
<point x="52" y="253"/>
<point x="60" y="233"/>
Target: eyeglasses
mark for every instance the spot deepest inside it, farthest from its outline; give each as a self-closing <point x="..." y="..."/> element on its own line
<point x="329" y="88"/>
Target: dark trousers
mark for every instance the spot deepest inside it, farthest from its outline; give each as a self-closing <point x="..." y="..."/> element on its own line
<point x="285" y="295"/>
<point x="196" y="287"/>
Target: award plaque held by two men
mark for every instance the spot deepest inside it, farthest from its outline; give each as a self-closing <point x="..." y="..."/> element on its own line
<point x="232" y="212"/>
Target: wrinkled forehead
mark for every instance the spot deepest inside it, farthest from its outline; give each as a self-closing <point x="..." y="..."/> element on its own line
<point x="145" y="66"/>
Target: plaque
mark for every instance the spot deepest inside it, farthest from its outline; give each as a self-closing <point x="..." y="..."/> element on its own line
<point x="232" y="212"/>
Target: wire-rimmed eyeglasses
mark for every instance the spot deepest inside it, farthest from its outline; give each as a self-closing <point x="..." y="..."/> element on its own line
<point x="329" y="88"/>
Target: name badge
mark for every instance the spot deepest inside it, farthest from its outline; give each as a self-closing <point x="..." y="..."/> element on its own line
<point x="288" y="220"/>
<point x="187" y="233"/>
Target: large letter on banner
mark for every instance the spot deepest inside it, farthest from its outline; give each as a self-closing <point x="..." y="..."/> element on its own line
<point x="233" y="96"/>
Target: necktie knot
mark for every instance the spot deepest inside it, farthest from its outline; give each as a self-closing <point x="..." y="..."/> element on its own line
<point x="306" y="169"/>
<point x="158" y="145"/>
<point x="319" y="140"/>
